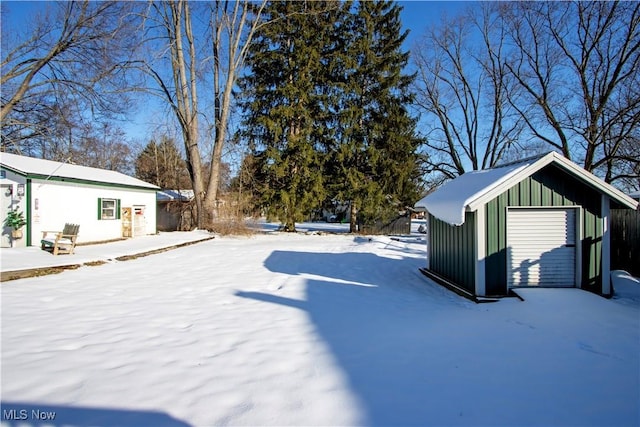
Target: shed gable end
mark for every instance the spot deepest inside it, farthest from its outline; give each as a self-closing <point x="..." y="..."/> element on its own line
<point x="548" y="187"/>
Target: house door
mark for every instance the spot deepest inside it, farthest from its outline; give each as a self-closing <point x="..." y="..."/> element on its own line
<point x="127" y="226"/>
<point x="139" y="221"/>
<point x="541" y="247"/>
<point x="6" y="200"/>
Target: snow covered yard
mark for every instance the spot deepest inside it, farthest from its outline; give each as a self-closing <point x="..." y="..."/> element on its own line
<point x="283" y="329"/>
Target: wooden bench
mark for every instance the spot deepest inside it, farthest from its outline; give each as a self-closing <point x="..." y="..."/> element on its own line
<point x="60" y="241"/>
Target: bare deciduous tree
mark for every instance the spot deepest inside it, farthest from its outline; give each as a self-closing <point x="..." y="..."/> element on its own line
<point x="104" y="147"/>
<point x="74" y="52"/>
<point x="578" y="64"/>
<point x="182" y="93"/>
<point x="231" y="33"/>
<point x="463" y="90"/>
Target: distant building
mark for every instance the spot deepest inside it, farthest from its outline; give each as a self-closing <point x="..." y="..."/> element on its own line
<point x="174" y="209"/>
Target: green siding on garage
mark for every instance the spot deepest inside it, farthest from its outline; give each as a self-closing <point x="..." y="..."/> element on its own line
<point x="550" y="186"/>
<point x="452" y="251"/>
<point x="592" y="251"/>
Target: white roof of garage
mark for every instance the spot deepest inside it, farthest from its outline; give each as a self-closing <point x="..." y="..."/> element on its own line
<point x="47" y="169"/>
<point x="174" y="195"/>
<point x="473" y="189"/>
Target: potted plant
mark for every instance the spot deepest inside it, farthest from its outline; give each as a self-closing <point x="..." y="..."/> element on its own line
<point x="15" y="220"/>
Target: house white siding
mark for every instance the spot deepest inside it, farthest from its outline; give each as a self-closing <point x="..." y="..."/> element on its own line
<point x="80" y="203"/>
<point x="51" y="194"/>
<point x="11" y="201"/>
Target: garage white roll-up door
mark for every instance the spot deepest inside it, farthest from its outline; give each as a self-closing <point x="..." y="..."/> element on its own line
<point x="541" y="247"/>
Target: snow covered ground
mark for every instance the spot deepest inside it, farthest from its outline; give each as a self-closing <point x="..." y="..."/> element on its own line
<point x="14" y="259"/>
<point x="309" y="329"/>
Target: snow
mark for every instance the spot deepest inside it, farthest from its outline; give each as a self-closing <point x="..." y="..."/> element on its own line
<point x="626" y="287"/>
<point x="449" y="202"/>
<point x="174" y="195"/>
<point x="311" y="329"/>
<point x="13" y="259"/>
<point x="49" y="168"/>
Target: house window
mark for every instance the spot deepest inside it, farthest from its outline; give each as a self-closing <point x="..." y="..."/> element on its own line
<point x="108" y="208"/>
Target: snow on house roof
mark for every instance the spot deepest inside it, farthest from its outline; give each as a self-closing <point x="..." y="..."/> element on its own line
<point x="472" y="190"/>
<point x="635" y="195"/>
<point x="48" y="169"/>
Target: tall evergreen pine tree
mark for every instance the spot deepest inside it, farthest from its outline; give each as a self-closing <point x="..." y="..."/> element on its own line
<point x="285" y="101"/>
<point x="326" y="110"/>
<point x="375" y="158"/>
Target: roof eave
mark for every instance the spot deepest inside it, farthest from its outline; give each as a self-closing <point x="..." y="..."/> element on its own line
<point x="103" y="183"/>
<point x="597" y="183"/>
<point x="509" y="182"/>
<point x="14" y="170"/>
<point x="564" y="163"/>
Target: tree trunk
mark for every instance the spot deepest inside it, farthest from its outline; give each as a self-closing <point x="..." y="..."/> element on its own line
<point x="186" y="105"/>
<point x="237" y="49"/>
<point x="353" y="220"/>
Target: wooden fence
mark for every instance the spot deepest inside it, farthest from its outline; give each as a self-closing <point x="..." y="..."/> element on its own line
<point x="399" y="225"/>
<point x="625" y="241"/>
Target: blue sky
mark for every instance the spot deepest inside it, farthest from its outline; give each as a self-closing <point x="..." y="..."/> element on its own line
<point x="416" y="14"/>
<point x="416" y="17"/>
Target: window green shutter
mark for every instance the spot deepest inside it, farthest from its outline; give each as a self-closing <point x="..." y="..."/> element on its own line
<point x="117" y="208"/>
<point x="99" y="208"/>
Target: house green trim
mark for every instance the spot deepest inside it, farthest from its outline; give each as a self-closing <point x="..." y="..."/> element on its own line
<point x="77" y="180"/>
<point x="28" y="210"/>
<point x="117" y="208"/>
<point x="46" y="183"/>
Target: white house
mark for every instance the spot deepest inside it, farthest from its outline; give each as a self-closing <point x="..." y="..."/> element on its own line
<point x="106" y="204"/>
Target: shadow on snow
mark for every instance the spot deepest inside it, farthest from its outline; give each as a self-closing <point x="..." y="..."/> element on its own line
<point x="33" y="414"/>
<point x="417" y="354"/>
